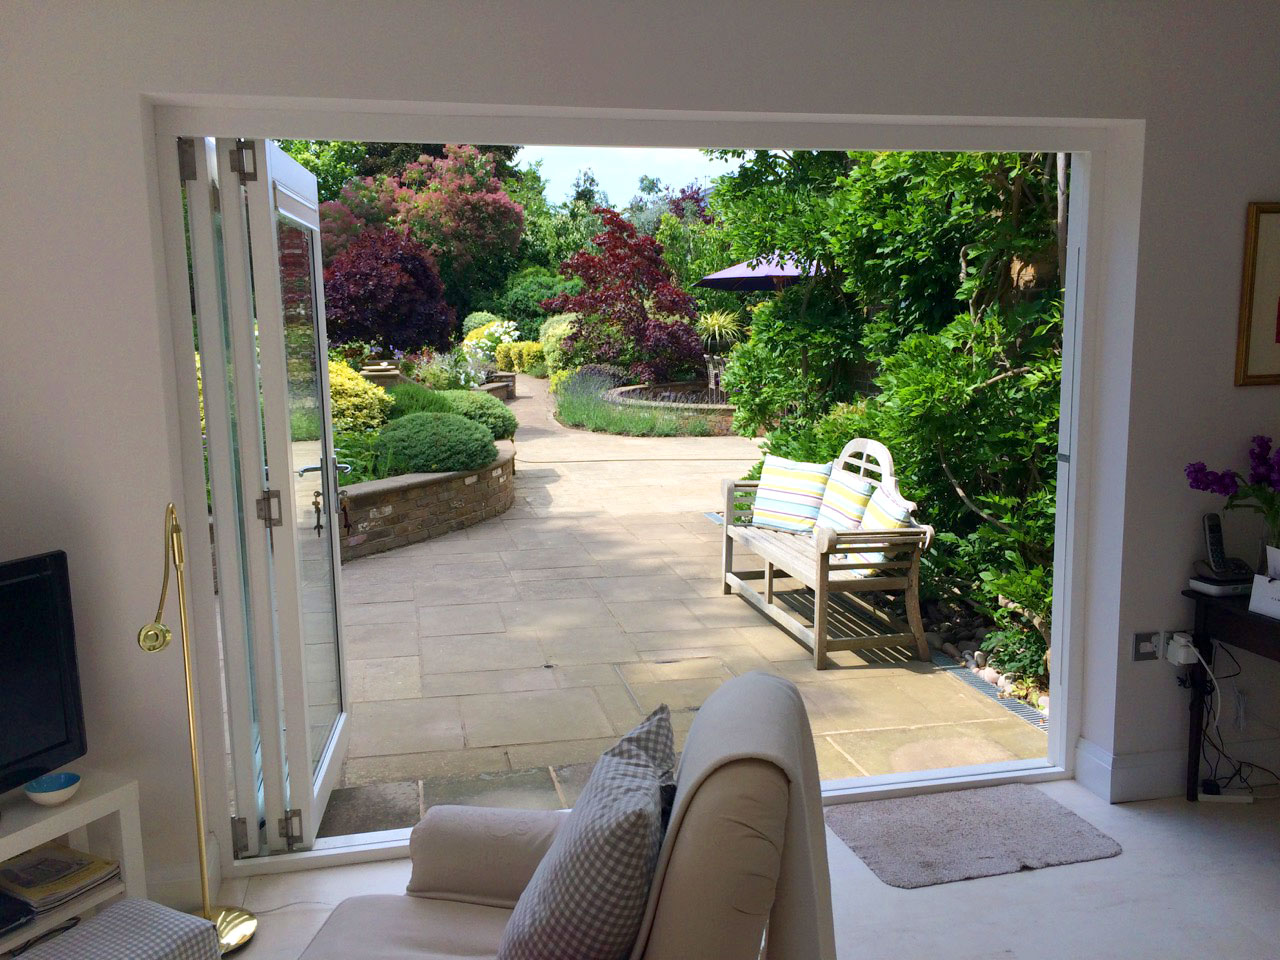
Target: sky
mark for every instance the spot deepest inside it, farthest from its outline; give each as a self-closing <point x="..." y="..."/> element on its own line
<point x="618" y="169"/>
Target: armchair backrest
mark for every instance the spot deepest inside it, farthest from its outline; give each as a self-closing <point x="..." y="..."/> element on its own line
<point x="746" y="847"/>
<point x="719" y="886"/>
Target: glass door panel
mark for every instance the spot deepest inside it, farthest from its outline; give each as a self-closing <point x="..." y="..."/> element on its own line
<point x="310" y="458"/>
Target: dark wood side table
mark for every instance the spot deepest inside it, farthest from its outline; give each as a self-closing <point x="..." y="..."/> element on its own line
<point x="1228" y="621"/>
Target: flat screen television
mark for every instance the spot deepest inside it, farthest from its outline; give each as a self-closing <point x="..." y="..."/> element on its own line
<point x="41" y="715"/>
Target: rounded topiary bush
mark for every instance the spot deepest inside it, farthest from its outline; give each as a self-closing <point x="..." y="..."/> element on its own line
<point x="435" y="443"/>
<point x="478" y="319"/>
<point x="483" y="408"/>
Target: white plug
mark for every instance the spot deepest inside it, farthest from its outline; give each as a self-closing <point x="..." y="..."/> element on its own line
<point x="1181" y="650"/>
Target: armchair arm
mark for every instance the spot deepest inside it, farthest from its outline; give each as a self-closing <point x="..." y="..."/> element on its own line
<point x="480" y="855"/>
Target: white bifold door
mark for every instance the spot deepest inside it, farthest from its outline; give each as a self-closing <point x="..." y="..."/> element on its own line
<point x="253" y="233"/>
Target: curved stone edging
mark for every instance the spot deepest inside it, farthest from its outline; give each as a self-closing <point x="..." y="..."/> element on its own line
<point x="397" y="511"/>
<point x="620" y="395"/>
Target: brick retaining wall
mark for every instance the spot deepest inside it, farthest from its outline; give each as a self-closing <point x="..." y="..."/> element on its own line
<point x="397" y="511"/>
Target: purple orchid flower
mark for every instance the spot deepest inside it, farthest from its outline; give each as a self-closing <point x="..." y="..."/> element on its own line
<point x="1260" y="466"/>
<point x="1201" y="477"/>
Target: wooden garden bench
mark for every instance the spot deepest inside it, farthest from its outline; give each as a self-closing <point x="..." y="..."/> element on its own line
<point x="828" y="562"/>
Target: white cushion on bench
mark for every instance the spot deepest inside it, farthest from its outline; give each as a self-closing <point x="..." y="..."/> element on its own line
<point x="884" y="512"/>
<point x="790" y="494"/>
<point x="844" y="501"/>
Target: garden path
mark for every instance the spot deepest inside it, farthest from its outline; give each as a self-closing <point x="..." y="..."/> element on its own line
<point x="494" y="664"/>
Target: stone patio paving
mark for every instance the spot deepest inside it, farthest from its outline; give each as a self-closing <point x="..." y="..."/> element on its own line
<point x="492" y="664"/>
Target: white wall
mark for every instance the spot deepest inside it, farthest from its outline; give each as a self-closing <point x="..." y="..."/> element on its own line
<point x="88" y="442"/>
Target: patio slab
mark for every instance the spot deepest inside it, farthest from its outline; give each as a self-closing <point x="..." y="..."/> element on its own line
<point x="500" y="661"/>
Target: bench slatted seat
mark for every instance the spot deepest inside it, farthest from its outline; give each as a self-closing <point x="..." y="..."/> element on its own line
<point x="849" y="563"/>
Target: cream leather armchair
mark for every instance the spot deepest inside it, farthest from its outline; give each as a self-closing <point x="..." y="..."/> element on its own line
<point x="745" y="851"/>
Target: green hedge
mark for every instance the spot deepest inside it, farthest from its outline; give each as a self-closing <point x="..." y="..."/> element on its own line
<point x="435" y="443"/>
<point x="474" y="405"/>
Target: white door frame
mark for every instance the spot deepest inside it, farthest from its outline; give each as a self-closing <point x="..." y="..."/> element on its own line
<point x="235" y="234"/>
<point x="212" y="312"/>
<point x="283" y="188"/>
<point x="1104" y="152"/>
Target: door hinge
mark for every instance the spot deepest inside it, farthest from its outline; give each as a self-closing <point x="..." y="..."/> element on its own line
<point x="268" y="508"/>
<point x="1064" y="458"/>
<point x="186" y="159"/>
<point x="290" y="827"/>
<point x="239" y="837"/>
<point x="244" y="161"/>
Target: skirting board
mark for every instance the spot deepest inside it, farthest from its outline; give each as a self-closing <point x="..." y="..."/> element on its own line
<point x="1134" y="776"/>
<point x="1160" y="773"/>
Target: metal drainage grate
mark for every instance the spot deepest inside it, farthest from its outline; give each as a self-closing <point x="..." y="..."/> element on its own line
<point x="1018" y="708"/>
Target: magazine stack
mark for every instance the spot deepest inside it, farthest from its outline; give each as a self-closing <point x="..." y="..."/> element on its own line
<point x="50" y="875"/>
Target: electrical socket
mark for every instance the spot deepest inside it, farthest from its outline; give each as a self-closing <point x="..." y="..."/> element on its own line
<point x="1147" y="646"/>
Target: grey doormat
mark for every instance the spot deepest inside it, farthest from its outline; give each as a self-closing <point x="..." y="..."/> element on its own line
<point x="962" y="834"/>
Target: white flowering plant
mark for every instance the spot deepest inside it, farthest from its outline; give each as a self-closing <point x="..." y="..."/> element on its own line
<point x="484" y="340"/>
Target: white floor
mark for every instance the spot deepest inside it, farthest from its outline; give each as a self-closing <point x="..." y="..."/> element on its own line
<point x="1195" y="880"/>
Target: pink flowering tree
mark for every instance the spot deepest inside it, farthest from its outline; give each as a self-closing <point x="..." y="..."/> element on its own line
<point x="454" y="205"/>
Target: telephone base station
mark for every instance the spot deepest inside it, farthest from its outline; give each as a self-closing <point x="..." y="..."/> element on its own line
<point x="1221" y="588"/>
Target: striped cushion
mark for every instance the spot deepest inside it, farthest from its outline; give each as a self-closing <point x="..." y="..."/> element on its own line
<point x="884" y="512"/>
<point x="844" y="501"/>
<point x="790" y="494"/>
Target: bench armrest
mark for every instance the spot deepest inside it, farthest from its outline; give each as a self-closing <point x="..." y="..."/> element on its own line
<point x="735" y="491"/>
<point x="482" y="855"/>
<point x="831" y="541"/>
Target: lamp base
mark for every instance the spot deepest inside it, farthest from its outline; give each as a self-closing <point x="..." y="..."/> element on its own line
<point x="236" y="927"/>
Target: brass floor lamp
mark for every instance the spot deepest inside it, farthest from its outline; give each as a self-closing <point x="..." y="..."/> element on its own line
<point x="235" y="925"/>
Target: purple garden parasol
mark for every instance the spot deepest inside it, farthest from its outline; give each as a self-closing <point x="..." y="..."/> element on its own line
<point x="768" y="273"/>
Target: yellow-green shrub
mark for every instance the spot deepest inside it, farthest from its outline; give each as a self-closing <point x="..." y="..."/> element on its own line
<point x="558" y="380"/>
<point x="355" y="403"/>
<point x="528" y="354"/>
<point x="554" y="331"/>
<point x="505" y="356"/>
<point x="521" y="356"/>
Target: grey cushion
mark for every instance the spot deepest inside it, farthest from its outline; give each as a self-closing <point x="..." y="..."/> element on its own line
<point x="587" y="898"/>
<point x="133" y="930"/>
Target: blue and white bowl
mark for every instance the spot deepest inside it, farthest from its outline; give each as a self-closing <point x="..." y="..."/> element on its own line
<point x="53" y="788"/>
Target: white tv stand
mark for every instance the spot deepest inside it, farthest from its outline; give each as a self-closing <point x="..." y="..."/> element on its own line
<point x="102" y="818"/>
